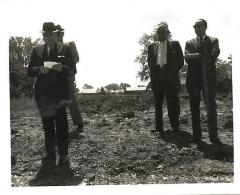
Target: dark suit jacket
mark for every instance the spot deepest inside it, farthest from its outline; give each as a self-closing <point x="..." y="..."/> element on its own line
<point x="209" y="56"/>
<point x="53" y="84"/>
<point x="175" y="61"/>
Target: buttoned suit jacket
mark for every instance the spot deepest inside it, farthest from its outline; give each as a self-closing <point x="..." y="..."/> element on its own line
<point x="175" y="61"/>
<point x="53" y="84"/>
<point x="209" y="56"/>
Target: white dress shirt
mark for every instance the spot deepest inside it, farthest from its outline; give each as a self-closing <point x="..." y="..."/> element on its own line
<point x="162" y="53"/>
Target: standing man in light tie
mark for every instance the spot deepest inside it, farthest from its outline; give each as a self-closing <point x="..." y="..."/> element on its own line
<point x="200" y="55"/>
<point x="73" y="107"/>
<point x="165" y="60"/>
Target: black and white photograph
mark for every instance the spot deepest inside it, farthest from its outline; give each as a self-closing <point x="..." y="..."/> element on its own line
<point x="120" y="96"/>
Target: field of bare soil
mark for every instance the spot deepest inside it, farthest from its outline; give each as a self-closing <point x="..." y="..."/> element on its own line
<point x="117" y="146"/>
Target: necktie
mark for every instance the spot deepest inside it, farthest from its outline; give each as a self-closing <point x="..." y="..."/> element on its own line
<point x="200" y="43"/>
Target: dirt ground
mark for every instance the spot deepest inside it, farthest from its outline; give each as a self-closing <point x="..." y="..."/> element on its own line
<point x="117" y="146"/>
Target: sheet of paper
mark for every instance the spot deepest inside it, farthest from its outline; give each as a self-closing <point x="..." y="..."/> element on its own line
<point x="49" y="64"/>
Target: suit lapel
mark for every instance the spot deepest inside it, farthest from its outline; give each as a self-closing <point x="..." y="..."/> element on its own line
<point x="207" y="42"/>
<point x="196" y="44"/>
<point x="45" y="53"/>
<point x="168" y="51"/>
<point x="59" y="48"/>
<point x="155" y="51"/>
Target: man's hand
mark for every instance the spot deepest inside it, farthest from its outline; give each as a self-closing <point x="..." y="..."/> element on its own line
<point x="57" y="67"/>
<point x="44" y="70"/>
<point x="193" y="56"/>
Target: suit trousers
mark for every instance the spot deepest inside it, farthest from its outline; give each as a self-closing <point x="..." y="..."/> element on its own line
<point x="165" y="86"/>
<point x="73" y="107"/>
<point x="210" y="104"/>
<point x="56" y="128"/>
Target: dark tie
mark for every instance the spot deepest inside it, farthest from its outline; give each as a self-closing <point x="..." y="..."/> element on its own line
<point x="200" y="44"/>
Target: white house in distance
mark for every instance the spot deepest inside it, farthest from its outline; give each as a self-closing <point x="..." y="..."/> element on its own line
<point x="88" y="91"/>
<point x="137" y="88"/>
<point x="129" y="89"/>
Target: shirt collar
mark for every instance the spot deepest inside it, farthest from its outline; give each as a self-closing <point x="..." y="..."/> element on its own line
<point x="164" y="42"/>
<point x="204" y="36"/>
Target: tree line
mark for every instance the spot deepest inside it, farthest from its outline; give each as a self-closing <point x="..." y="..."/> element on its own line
<point x="20" y="49"/>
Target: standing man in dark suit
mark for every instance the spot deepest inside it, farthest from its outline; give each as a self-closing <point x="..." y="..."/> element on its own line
<point x="50" y="64"/>
<point x="73" y="107"/>
<point x="165" y="60"/>
<point x="200" y="55"/>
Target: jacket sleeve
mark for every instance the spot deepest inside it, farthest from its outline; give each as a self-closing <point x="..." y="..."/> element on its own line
<point x="180" y="58"/>
<point x="150" y="62"/>
<point x="34" y="64"/>
<point x="74" y="51"/>
<point x="188" y="51"/>
<point x="68" y="62"/>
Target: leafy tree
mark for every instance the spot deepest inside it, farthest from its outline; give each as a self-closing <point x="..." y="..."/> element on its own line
<point x="87" y="86"/>
<point x="20" y="49"/>
<point x="124" y="86"/>
<point x="76" y="88"/>
<point x="112" y="87"/>
<point x="144" y="41"/>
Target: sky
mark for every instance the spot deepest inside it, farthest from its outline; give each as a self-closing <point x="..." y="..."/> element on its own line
<point x="106" y="32"/>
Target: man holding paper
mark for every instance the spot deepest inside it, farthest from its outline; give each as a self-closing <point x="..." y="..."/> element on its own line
<point x="51" y="63"/>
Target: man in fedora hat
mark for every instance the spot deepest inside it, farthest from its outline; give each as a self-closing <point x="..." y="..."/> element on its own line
<point x="73" y="107"/>
<point x="165" y="59"/>
<point x="50" y="64"/>
<point x="200" y="55"/>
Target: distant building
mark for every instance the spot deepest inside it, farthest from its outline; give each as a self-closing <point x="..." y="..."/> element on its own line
<point x="88" y="91"/>
<point x="136" y="90"/>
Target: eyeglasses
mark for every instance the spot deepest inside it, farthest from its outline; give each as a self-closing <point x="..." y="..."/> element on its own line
<point x="197" y="26"/>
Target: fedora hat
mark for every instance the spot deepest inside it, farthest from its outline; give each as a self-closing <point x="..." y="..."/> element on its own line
<point x="59" y="28"/>
<point x="48" y="27"/>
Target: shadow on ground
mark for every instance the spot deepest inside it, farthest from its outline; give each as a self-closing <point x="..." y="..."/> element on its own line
<point x="55" y="176"/>
<point x="73" y="135"/>
<point x="223" y="152"/>
<point x="180" y="139"/>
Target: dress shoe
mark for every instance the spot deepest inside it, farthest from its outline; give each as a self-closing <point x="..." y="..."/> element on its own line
<point x="216" y="141"/>
<point x="156" y="130"/>
<point x="161" y="135"/>
<point x="48" y="166"/>
<point x="195" y="140"/>
<point x="63" y="162"/>
<point x="80" y="128"/>
<point x="176" y="129"/>
<point x="49" y="161"/>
